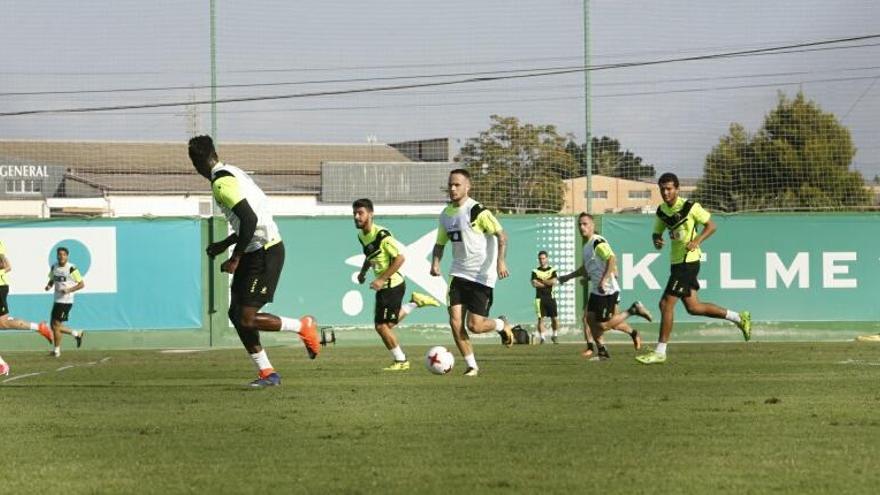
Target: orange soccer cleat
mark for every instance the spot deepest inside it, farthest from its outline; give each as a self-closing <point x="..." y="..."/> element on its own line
<point x="309" y="335"/>
<point x="44" y="330"/>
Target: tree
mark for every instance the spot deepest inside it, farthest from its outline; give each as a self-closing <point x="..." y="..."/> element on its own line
<point x="517" y="167"/>
<point x="608" y="159"/>
<point x="799" y="159"/>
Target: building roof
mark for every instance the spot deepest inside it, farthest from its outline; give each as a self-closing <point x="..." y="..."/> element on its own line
<point x="94" y="167"/>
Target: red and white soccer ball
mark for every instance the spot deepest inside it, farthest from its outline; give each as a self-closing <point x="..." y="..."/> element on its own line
<point x="439" y="360"/>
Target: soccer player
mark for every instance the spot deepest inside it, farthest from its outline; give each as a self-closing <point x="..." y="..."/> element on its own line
<point x="7" y="322"/>
<point x="601" y="313"/>
<point x="543" y="280"/>
<point x="479" y="245"/>
<point x="680" y="217"/>
<point x="381" y="252"/>
<point x="255" y="262"/>
<point x="66" y="279"/>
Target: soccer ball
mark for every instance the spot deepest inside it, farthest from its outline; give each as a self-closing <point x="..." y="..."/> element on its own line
<point x="439" y="360"/>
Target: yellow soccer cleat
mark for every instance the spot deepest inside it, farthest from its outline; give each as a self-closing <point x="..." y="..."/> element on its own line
<point x="398" y="366"/>
<point x="422" y="300"/>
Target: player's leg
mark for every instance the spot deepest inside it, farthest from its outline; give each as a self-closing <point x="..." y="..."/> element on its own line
<point x="598" y="315"/>
<point x="478" y="301"/>
<point x="554" y="324"/>
<point x="696" y="307"/>
<point x="7" y="322"/>
<point x="385" y="318"/>
<point x="416" y="300"/>
<point x="240" y="315"/>
<point x="539" y="326"/>
<point x="593" y="305"/>
<point x="255" y="282"/>
<point x="461" y="338"/>
<point x="4" y="367"/>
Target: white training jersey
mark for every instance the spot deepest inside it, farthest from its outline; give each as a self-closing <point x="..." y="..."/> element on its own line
<point x="64" y="277"/>
<point x="267" y="231"/>
<point x="472" y="229"/>
<point x="597" y="251"/>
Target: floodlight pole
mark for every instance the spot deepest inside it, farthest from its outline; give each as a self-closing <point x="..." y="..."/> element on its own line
<point x="213" y="72"/>
<point x="588" y="159"/>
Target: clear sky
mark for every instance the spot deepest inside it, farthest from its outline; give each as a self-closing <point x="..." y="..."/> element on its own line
<point x="670" y="114"/>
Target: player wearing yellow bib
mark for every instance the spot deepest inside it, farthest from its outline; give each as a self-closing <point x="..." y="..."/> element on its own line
<point x="66" y="280"/>
<point x="256" y="260"/>
<point x="601" y="306"/>
<point x="479" y="245"/>
<point x="543" y="280"/>
<point x="382" y="253"/>
<point x="680" y="217"/>
<point x="7" y="322"/>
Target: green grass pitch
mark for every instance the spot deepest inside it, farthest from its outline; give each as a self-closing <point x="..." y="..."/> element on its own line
<point x="717" y="418"/>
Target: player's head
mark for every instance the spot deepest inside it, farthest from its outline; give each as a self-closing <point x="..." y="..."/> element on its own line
<point x="459" y="185"/>
<point x="543" y="259"/>
<point x="586" y="225"/>
<point x="203" y="155"/>
<point x="668" y="184"/>
<point x="61" y="254"/>
<point x="362" y="210"/>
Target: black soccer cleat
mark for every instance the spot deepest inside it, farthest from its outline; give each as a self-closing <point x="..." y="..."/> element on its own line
<point x="79" y="339"/>
<point x="603" y="353"/>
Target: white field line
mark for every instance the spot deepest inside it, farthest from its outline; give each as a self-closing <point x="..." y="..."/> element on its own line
<point x="63" y="368"/>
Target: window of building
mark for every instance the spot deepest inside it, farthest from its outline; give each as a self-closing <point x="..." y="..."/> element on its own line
<point x="24" y="186"/>
<point x="643" y="194"/>
<point x="599" y="194"/>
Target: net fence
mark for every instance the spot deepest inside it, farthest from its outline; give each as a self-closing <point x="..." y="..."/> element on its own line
<point x="756" y="106"/>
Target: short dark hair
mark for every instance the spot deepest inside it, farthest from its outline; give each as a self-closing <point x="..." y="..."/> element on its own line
<point x="585" y="214"/>
<point x="461" y="171"/>
<point x="668" y="177"/>
<point x="362" y="203"/>
<point x="62" y="248"/>
<point x="542" y="252"/>
<point x="202" y="147"/>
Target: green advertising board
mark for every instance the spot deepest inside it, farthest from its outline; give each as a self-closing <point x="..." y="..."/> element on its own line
<point x="782" y="268"/>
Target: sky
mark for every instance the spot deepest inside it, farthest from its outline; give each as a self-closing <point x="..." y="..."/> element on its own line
<point x="670" y="114"/>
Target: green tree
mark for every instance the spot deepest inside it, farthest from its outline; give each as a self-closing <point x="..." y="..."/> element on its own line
<point x="518" y="167"/>
<point x="610" y="160"/>
<point x="799" y="159"/>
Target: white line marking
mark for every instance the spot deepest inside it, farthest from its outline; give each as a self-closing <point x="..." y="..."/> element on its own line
<point x="66" y="367"/>
<point x="19" y="377"/>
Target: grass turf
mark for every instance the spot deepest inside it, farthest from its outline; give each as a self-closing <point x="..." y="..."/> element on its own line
<point x="717" y="418"/>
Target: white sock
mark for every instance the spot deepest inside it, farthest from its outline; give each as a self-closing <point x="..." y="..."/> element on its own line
<point x="35" y="327"/>
<point x="661" y="348"/>
<point x="75" y="333"/>
<point x="555" y="333"/>
<point x="398" y="354"/>
<point x="471" y="361"/>
<point x="407" y="308"/>
<point x="57" y="350"/>
<point x="732" y="316"/>
<point x="499" y="325"/>
<point x="290" y="324"/>
<point x="261" y="360"/>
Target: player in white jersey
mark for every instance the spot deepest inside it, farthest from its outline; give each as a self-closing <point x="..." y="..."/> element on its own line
<point x="600" y="315"/>
<point x="479" y="245"/>
<point x="66" y="280"/>
<point x="255" y="262"/>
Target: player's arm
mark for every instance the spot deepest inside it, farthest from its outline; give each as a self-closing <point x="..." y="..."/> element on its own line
<point x="362" y="275"/>
<point x="553" y="280"/>
<point x="390" y="248"/>
<point x="657" y="234"/>
<point x="227" y="192"/>
<point x="488" y="224"/>
<point x="4" y="263"/>
<point x="610" y="270"/>
<point x="218" y="247"/>
<point x="80" y="283"/>
<point x="536" y="282"/>
<point x="51" y="281"/>
<point x="580" y="272"/>
<point x="437" y="253"/>
<point x="701" y="216"/>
